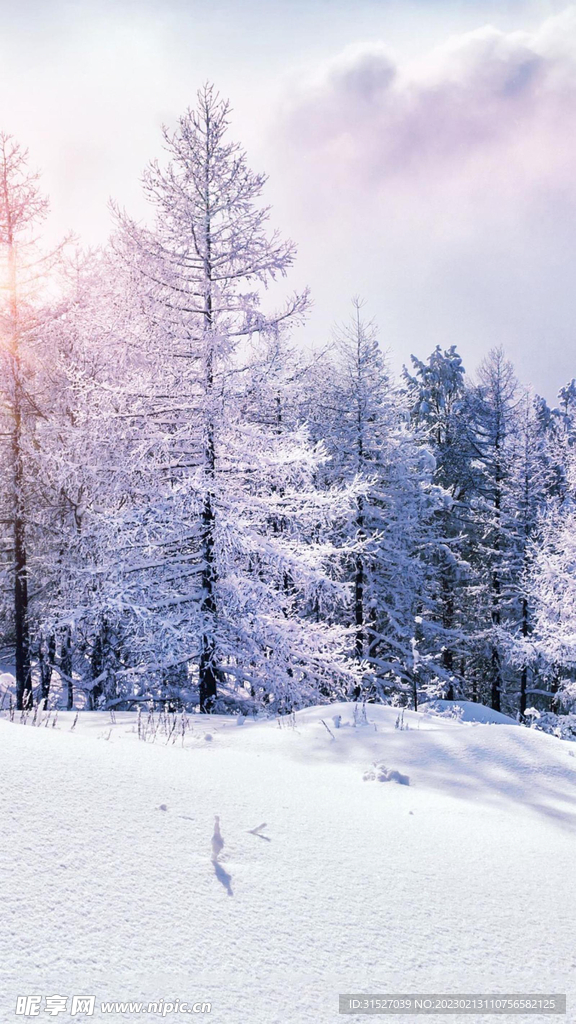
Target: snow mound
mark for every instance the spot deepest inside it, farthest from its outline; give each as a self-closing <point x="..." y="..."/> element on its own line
<point x="380" y="773"/>
<point x="7" y="683"/>
<point x="466" y="711"/>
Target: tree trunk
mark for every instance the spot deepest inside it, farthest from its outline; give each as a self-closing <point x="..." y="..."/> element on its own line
<point x="24" y="697"/>
<point x="207" y="673"/>
<point x="21" y="610"/>
<point x="497" y="589"/>
<point x="208" y="677"/>
<point x="359" y="607"/>
<point x="496" y="680"/>
<point x="97" y="664"/>
<point x="555" y="703"/>
<point x="524" y="676"/>
<point x="47" y="659"/>
<point x="447" y="585"/>
<point x="66" y="665"/>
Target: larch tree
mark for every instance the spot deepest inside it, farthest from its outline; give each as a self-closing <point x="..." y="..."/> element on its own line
<point x="24" y="311"/>
<point x="232" y="588"/>
<point x="86" y="477"/>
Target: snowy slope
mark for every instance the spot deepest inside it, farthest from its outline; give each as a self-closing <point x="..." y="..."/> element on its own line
<point x="466" y="711"/>
<point x="461" y="881"/>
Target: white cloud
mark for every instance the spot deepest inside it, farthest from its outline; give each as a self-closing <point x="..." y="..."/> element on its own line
<point x="448" y="189"/>
<point x="482" y="99"/>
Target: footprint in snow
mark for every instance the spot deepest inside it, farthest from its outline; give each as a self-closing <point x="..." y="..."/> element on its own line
<point x="258" y="832"/>
<point x="217" y="846"/>
<point x="217" y="840"/>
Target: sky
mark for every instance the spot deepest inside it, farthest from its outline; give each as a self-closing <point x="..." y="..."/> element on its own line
<point x="421" y="153"/>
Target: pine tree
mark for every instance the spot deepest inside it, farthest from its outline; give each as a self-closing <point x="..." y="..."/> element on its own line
<point x="531" y="484"/>
<point x="360" y="414"/>
<point x="551" y="587"/>
<point x="438" y="396"/>
<point x="494" y="534"/>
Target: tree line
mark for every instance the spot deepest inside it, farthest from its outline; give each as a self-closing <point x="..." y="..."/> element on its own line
<point x="196" y="514"/>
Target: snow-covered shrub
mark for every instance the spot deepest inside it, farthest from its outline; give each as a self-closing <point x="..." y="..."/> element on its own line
<point x="562" y="726"/>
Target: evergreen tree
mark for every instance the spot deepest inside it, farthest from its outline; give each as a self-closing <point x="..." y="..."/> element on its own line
<point x="494" y="531"/>
<point x="440" y="409"/>
<point x="532" y="482"/>
<point x="552" y="588"/>
<point x="364" y="425"/>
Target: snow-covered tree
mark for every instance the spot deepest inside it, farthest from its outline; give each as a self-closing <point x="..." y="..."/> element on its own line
<point x="547" y="651"/>
<point x="552" y="588"/>
<point x="360" y="413"/>
<point x="85" y="452"/>
<point x="24" y="313"/>
<point x="438" y="397"/>
<point x="495" y="534"/>
<point x="232" y="548"/>
<point x="532" y="484"/>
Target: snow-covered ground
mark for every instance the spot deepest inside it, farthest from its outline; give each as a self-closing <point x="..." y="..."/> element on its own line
<point x="460" y="881"/>
<point x="466" y="711"/>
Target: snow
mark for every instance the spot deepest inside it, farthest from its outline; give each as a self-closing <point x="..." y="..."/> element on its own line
<point x="114" y="881"/>
<point x="467" y="711"/>
<point x="7" y="684"/>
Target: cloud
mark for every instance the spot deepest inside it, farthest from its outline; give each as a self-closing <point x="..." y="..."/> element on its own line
<point x="485" y="102"/>
<point x="444" y="191"/>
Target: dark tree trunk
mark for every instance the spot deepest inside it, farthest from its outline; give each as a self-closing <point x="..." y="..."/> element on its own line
<point x="66" y="665"/>
<point x="207" y="669"/>
<point x="208" y="675"/>
<point x="359" y="585"/>
<point x="21" y="604"/>
<point x="555" y="703"/>
<point x="524" y="676"/>
<point x="97" y="663"/>
<point x="523" y="689"/>
<point x="496" y="680"/>
<point x="21" y="611"/>
<point x="47" y="659"/>
<point x="474" y="689"/>
<point x="497" y="591"/>
<point x="447" y="584"/>
<point x="359" y="607"/>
